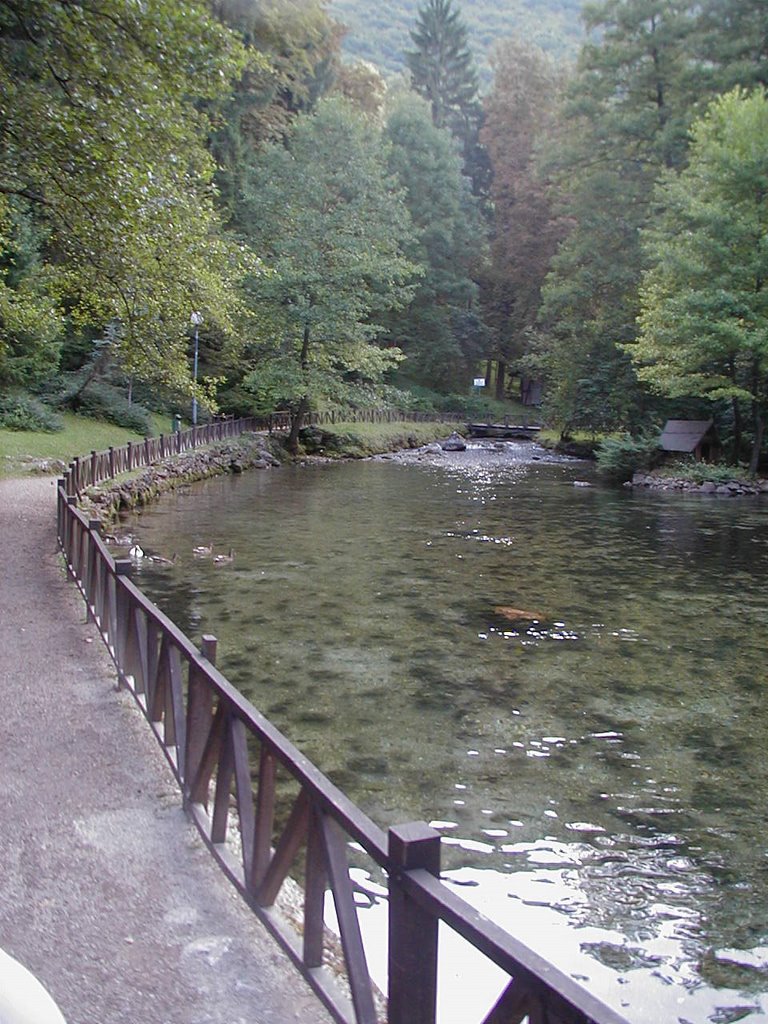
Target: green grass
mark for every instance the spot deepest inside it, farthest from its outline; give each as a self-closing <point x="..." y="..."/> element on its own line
<point x="361" y="439"/>
<point x="22" y="450"/>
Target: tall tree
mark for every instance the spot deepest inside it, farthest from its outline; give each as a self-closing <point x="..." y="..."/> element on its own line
<point x="704" y="319"/>
<point x="331" y="224"/>
<point x="441" y="330"/>
<point x="525" y="231"/>
<point x="100" y="138"/>
<point x="732" y="43"/>
<point x="626" y="116"/>
<point x="443" y="73"/>
<point x="293" y="59"/>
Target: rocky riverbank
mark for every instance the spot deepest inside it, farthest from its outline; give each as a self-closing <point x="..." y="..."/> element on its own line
<point x="722" y="488"/>
<point x="250" y="451"/>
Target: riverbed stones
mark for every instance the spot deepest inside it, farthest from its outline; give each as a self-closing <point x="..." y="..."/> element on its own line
<point x="726" y="489"/>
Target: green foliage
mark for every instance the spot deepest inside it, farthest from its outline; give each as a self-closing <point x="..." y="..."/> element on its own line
<point x="443" y="73"/>
<point x="293" y="58"/>
<point x="100" y="401"/>
<point x="441" y="65"/>
<point x="701" y="472"/>
<point x="331" y="225"/>
<point x="642" y="76"/>
<point x="704" y="320"/>
<point x="23" y="412"/>
<point x="618" y="458"/>
<point x="30" y="324"/>
<point x="100" y="135"/>
<point x="440" y="330"/>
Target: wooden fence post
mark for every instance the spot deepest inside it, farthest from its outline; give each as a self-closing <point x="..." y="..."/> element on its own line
<point x="412" y="994"/>
<point x="122" y="610"/>
<point x="199" y="717"/>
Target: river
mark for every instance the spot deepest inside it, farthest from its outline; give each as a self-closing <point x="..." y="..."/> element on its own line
<point x="567" y="681"/>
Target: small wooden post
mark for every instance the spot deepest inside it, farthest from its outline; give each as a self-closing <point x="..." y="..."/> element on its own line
<point x="199" y="716"/>
<point x="122" y="609"/>
<point x="412" y="931"/>
<point x="88" y="572"/>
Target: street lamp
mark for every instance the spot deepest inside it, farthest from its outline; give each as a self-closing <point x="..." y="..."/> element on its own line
<point x="195" y="319"/>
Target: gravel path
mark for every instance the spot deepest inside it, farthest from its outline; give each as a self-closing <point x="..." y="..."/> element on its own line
<point x="106" y="892"/>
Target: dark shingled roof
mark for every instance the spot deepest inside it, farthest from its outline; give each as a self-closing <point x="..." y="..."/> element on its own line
<point x="684" y="435"/>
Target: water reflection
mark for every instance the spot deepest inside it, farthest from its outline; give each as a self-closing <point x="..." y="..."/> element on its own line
<point x="567" y="681"/>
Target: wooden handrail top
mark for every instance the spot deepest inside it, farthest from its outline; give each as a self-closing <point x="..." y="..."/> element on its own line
<point x="507" y="952"/>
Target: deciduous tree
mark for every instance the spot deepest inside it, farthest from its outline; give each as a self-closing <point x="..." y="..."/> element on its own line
<point x="100" y="138"/>
<point x="331" y="224"/>
<point x="704" y="318"/>
<point x="626" y="117"/>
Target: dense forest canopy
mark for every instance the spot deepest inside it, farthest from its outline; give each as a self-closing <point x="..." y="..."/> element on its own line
<point x="341" y="235"/>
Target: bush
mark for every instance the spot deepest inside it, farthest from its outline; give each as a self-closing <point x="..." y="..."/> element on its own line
<point x="703" y="472"/>
<point x="22" y="412"/>
<point x="103" y="402"/>
<point x="618" y="458"/>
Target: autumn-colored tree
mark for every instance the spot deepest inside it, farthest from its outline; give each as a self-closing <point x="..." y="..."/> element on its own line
<point x="525" y="230"/>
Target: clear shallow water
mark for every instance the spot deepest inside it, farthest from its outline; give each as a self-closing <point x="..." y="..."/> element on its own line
<point x="598" y="769"/>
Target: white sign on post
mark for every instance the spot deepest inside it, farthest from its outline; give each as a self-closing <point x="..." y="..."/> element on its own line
<point x="479" y="382"/>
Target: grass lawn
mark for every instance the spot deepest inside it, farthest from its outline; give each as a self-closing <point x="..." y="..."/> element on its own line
<point x="361" y="439"/>
<point x="20" y="449"/>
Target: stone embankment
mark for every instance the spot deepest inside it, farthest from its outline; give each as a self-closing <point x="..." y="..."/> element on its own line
<point x="726" y="489"/>
<point x="251" y="451"/>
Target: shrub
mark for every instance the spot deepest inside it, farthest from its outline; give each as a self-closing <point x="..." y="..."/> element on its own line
<point x="104" y="402"/>
<point x="703" y="472"/>
<point x="22" y="412"/>
<point x="618" y="458"/>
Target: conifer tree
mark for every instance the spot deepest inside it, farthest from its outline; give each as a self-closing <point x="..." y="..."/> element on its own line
<point x="443" y="73"/>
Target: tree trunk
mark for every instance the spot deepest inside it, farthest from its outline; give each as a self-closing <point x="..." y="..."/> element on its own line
<point x="737" y="431"/>
<point x="501" y="371"/>
<point x="758" y="426"/>
<point x="297" y="422"/>
<point x="303" y="407"/>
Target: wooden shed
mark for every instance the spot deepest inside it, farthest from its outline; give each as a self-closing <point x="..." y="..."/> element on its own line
<point x="693" y="437"/>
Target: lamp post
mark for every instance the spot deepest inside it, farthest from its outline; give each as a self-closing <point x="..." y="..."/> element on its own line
<point x="195" y="319"/>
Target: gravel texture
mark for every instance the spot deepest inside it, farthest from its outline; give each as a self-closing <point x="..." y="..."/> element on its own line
<point x="106" y="893"/>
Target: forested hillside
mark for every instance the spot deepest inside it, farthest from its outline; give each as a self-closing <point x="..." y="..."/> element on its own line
<point x="379" y="32"/>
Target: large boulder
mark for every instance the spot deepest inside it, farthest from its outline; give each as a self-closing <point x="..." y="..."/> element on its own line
<point x="454" y="443"/>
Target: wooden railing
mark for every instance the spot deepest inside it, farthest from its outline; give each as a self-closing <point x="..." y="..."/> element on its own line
<point x="259" y="804"/>
<point x="95" y="468"/>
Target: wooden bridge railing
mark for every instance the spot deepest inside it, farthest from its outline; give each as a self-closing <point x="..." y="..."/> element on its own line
<point x="263" y="809"/>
